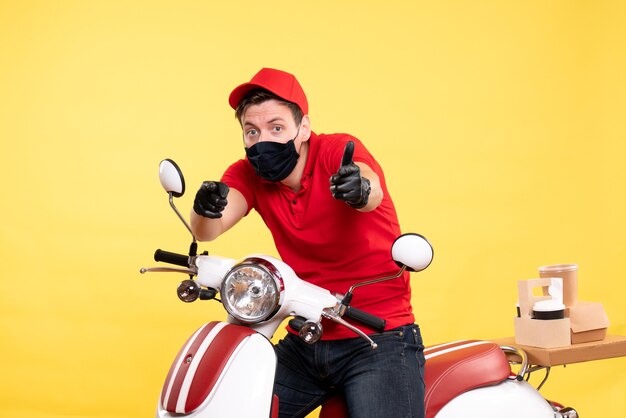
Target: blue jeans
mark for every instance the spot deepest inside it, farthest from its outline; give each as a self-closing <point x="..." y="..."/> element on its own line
<point x="381" y="383"/>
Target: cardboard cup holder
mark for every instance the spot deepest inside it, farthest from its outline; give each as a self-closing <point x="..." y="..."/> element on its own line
<point x="544" y="333"/>
<point x="557" y="318"/>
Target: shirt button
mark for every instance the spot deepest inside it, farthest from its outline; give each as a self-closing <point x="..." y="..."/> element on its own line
<point x="294" y="201"/>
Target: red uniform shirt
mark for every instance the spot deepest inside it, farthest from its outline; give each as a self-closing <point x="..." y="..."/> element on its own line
<point x="326" y="241"/>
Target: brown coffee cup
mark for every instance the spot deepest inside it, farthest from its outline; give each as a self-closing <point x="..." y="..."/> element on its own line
<point x="569" y="274"/>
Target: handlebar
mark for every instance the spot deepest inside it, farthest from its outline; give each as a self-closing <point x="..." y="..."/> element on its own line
<point x="365" y="318"/>
<point x="171" y="258"/>
<point x="358" y="315"/>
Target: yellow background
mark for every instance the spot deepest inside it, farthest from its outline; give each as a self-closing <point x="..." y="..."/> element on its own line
<point x="500" y="125"/>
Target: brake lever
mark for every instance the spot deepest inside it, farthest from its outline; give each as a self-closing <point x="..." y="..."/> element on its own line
<point x="333" y="317"/>
<point x="167" y="270"/>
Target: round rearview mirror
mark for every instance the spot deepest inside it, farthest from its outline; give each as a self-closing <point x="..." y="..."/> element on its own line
<point x="171" y="178"/>
<point x="413" y="251"/>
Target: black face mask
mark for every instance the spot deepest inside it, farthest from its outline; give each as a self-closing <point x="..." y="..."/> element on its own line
<point x="273" y="161"/>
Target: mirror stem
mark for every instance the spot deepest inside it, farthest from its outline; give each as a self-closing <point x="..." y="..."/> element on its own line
<point x="181" y="216"/>
<point x="348" y="297"/>
<point x="193" y="249"/>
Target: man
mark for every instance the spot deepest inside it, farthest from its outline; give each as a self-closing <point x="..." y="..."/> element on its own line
<point x="325" y="201"/>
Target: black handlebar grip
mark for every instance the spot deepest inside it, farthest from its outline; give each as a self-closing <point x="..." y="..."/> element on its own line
<point x="172" y="258"/>
<point x="296" y="323"/>
<point x="363" y="317"/>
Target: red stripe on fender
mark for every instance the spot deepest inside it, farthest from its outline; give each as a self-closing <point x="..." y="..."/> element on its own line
<point x="213" y="362"/>
<point x="166" y="384"/>
<point x="170" y="403"/>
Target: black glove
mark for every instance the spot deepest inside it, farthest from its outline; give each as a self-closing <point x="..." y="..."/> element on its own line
<point x="211" y="200"/>
<point x="347" y="184"/>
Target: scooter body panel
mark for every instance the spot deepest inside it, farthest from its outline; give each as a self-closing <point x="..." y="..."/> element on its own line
<point x="224" y="370"/>
<point x="511" y="399"/>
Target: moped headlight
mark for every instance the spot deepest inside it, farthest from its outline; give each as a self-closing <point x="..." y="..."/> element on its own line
<point x="251" y="291"/>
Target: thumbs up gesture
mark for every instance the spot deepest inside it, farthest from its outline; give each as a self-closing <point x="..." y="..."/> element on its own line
<point x="347" y="184"/>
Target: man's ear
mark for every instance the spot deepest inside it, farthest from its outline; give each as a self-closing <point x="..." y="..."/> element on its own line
<point x="305" y="128"/>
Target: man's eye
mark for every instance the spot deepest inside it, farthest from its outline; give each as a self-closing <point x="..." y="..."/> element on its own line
<point x="251" y="132"/>
<point x="277" y="128"/>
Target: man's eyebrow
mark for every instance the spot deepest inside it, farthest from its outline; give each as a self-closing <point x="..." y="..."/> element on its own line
<point x="274" y="120"/>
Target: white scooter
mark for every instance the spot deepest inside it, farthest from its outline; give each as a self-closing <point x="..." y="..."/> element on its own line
<point x="226" y="369"/>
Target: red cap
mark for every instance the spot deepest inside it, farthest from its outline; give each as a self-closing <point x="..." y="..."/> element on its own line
<point x="281" y="83"/>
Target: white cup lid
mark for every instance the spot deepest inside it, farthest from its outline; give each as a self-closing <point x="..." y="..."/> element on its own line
<point x="548" y="306"/>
